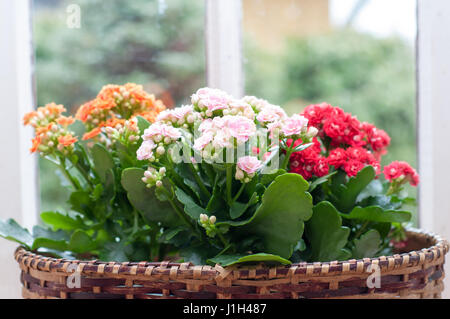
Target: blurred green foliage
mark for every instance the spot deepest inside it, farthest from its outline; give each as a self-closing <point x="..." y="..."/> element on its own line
<point x="155" y="43"/>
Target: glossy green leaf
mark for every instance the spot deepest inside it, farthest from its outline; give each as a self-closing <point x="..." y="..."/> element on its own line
<point x="41" y="242"/>
<point x="190" y="206"/>
<point x="228" y="260"/>
<point x="320" y="181"/>
<point x="144" y="199"/>
<point x="143" y="124"/>
<point x="266" y="179"/>
<point x="367" y="246"/>
<point x="378" y="214"/>
<point x="237" y="209"/>
<point x="11" y="230"/>
<point x="60" y="221"/>
<point x="103" y="160"/>
<point x="326" y="235"/>
<point x="80" y="242"/>
<point x="279" y="221"/>
<point x="346" y="194"/>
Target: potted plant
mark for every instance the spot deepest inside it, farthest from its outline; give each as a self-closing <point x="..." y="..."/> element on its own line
<point x="223" y="198"/>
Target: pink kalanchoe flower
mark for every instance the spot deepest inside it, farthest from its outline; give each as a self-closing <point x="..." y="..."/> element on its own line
<point x="294" y="125"/>
<point x="239" y="127"/>
<point x="212" y="99"/>
<point x="249" y="164"/>
<point x="401" y="170"/>
<point x="271" y="113"/>
<point x="145" y="152"/>
<point x="161" y="130"/>
<point x="201" y="142"/>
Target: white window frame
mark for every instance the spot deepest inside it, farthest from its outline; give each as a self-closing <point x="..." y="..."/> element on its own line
<point x="18" y="185"/>
<point x="433" y="114"/>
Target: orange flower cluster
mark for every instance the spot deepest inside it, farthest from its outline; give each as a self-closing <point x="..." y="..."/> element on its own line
<point x="51" y="129"/>
<point x="114" y="105"/>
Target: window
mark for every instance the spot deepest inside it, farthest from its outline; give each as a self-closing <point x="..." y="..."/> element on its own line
<point x="85" y="66"/>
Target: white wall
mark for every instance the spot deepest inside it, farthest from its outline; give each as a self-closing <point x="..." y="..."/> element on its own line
<point x="18" y="174"/>
<point x="433" y="118"/>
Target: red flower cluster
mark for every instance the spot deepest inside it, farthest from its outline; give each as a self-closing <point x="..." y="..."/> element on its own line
<point x="344" y="130"/>
<point x="350" y="144"/>
<point x="401" y="172"/>
<point x="309" y="162"/>
<point x="352" y="160"/>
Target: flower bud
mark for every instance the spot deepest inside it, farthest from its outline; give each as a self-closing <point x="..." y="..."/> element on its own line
<point x="212" y="219"/>
<point x="203" y="218"/>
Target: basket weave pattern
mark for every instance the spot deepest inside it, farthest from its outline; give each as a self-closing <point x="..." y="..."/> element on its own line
<point x="417" y="274"/>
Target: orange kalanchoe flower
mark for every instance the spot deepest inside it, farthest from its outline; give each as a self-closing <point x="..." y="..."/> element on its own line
<point x="115" y="104"/>
<point x="93" y="133"/>
<point x="36" y="142"/>
<point x="65" y="121"/>
<point x="67" y="140"/>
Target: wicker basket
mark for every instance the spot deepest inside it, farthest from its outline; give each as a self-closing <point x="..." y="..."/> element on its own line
<point x="417" y="274"/>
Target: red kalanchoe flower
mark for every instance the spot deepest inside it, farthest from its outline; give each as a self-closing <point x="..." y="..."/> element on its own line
<point x="401" y="172"/>
<point x="337" y="158"/>
<point x="352" y="167"/>
<point x="321" y="168"/>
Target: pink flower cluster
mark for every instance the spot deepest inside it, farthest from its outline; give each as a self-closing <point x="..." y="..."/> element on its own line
<point x="220" y="132"/>
<point x="158" y="136"/>
<point x="247" y="167"/>
<point x="401" y="172"/>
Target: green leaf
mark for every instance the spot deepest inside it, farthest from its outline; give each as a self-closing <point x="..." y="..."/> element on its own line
<point x="11" y="230"/>
<point x="190" y="207"/>
<point x="113" y="252"/>
<point x="103" y="160"/>
<point x="237" y="209"/>
<point x="81" y="202"/>
<point x="279" y="221"/>
<point x="320" y="181"/>
<point x="143" y="124"/>
<point x="41" y="242"/>
<point x="378" y="214"/>
<point x="80" y="242"/>
<point x="59" y="221"/>
<point x="228" y="260"/>
<point x="367" y="246"/>
<point x="144" y="199"/>
<point x="326" y="235"/>
<point x="346" y="194"/>
<point x="266" y="179"/>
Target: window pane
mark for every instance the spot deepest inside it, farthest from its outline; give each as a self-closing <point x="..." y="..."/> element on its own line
<point x="156" y="43"/>
<point x="356" y="54"/>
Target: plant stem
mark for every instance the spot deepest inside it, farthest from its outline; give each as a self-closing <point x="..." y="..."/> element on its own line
<point x="239" y="192"/>
<point x="229" y="182"/>
<point x="199" y="181"/>
<point x="74" y="182"/>
<point x="288" y="156"/>
<point x="178" y="211"/>
<point x="223" y="240"/>
<point x="361" y="230"/>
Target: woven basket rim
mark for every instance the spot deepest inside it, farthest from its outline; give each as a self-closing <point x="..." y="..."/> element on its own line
<point x="386" y="263"/>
